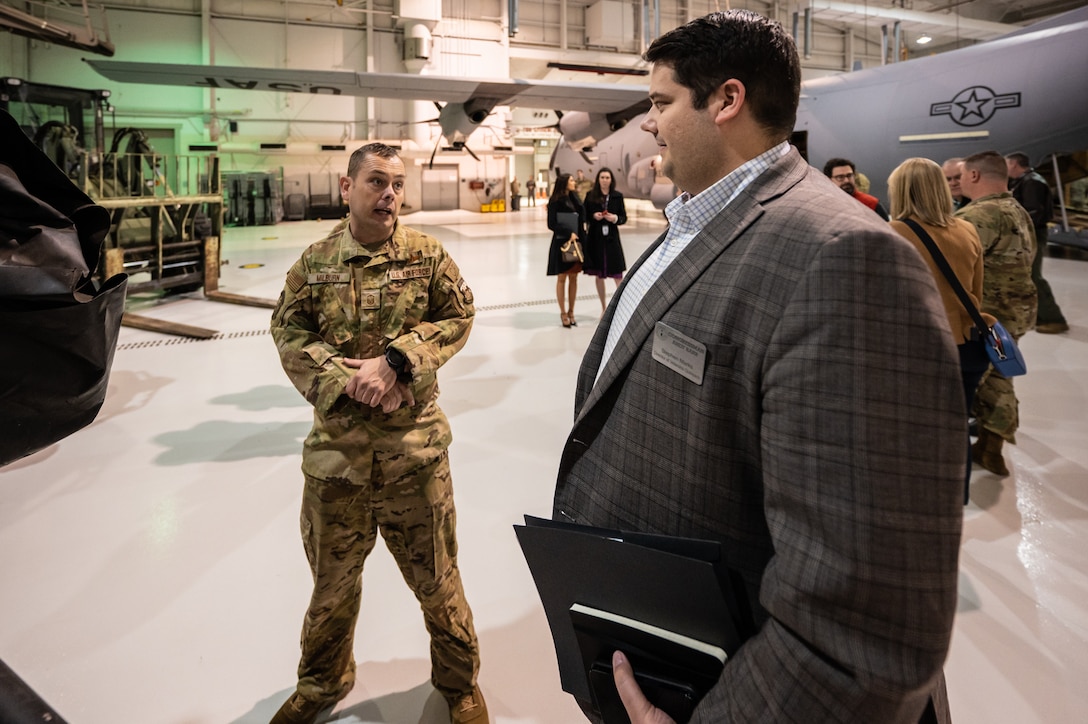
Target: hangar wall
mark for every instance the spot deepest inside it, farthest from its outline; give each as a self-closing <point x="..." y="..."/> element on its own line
<point x="468" y="38"/>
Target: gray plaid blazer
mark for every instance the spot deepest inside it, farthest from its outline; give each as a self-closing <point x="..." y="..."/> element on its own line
<point x="825" y="449"/>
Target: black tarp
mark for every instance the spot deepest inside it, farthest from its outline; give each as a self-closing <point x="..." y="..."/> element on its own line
<point x="58" y="327"/>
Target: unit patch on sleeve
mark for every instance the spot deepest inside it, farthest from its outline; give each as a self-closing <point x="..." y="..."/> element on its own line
<point x="295" y="280"/>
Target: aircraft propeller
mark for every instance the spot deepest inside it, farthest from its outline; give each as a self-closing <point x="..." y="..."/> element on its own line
<point x="456" y="122"/>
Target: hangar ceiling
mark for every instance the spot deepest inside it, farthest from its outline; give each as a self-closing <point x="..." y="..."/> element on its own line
<point x="943" y="20"/>
<point x="842" y="34"/>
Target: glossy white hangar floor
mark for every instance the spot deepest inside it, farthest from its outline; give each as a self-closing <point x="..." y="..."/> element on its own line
<point x="153" y="572"/>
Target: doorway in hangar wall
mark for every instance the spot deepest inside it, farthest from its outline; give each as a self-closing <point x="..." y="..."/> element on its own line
<point x="439" y="189"/>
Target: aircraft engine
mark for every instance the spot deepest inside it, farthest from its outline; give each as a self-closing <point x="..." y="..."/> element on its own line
<point x="662" y="194"/>
<point x="644" y="179"/>
<point x="581" y="129"/>
<point x="463" y="118"/>
<point x="642" y="175"/>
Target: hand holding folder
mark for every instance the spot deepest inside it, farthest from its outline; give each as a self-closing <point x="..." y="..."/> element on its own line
<point x="673" y="671"/>
<point x="668" y="603"/>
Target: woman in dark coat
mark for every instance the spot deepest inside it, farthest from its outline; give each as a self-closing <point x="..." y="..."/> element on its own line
<point x="563" y="199"/>
<point x="605" y="212"/>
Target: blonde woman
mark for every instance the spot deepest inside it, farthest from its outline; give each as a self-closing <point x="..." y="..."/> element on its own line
<point x="919" y="192"/>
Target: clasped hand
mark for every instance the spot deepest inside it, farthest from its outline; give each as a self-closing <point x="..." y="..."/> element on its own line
<point x="375" y="384"/>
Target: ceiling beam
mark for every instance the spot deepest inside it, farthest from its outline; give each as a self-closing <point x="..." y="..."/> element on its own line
<point x="836" y="11"/>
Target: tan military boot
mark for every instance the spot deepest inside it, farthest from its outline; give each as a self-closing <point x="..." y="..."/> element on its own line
<point x="987" y="452"/>
<point x="469" y="708"/>
<point x="300" y="710"/>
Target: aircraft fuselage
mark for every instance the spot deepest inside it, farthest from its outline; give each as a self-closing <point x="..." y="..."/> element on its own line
<point x="1006" y="95"/>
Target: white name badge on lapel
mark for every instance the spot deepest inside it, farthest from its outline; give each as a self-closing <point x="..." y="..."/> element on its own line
<point x="679" y="352"/>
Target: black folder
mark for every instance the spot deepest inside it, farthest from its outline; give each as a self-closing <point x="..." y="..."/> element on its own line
<point x="668" y="603"/>
<point x="673" y="671"/>
<point x="567" y="222"/>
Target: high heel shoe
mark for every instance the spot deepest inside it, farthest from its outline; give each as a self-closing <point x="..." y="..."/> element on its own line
<point x="573" y="321"/>
<point x="566" y="320"/>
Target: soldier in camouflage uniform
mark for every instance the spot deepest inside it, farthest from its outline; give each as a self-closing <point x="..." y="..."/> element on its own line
<point x="1008" y="293"/>
<point x="366" y="318"/>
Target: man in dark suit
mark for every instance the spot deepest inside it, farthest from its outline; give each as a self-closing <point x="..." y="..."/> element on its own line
<point x="777" y="374"/>
<point x="1033" y="193"/>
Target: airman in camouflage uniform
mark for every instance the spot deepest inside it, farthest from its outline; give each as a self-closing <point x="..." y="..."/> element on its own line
<point x="1008" y="293"/>
<point x="366" y="318"/>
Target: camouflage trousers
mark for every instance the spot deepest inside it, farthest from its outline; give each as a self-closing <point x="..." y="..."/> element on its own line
<point x="416" y="517"/>
<point x="996" y="406"/>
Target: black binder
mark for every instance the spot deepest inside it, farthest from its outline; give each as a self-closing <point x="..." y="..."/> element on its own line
<point x="568" y="223"/>
<point x="673" y="671"/>
<point x="668" y="603"/>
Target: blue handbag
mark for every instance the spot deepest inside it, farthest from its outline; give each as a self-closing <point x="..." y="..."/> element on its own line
<point x="1001" y="348"/>
<point x="1004" y="354"/>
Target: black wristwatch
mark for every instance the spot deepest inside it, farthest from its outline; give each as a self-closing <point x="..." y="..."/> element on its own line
<point x="396" y="359"/>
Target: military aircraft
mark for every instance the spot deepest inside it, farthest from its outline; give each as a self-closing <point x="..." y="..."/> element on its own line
<point x="1006" y="94"/>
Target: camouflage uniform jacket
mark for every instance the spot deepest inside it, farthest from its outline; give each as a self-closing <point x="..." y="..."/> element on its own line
<point x="342" y="300"/>
<point x="1008" y="249"/>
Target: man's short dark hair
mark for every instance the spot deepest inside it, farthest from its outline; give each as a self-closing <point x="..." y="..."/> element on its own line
<point x="706" y="52"/>
<point x="1022" y="160"/>
<point x="835" y="163"/>
<point x="377" y="149"/>
<point x="987" y="163"/>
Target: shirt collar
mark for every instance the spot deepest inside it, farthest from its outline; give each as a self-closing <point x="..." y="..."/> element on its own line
<point x="351" y="249"/>
<point x="718" y="196"/>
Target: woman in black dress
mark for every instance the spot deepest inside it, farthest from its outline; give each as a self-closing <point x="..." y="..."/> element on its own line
<point x="564" y="200"/>
<point x="605" y="212"/>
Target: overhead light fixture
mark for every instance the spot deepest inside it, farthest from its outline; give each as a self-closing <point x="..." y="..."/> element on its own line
<point x="923" y="39"/>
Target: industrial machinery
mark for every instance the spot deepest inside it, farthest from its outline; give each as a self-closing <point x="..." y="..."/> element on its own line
<point x="166" y="210"/>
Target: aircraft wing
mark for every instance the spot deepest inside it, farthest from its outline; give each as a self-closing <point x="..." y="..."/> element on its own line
<point x="588" y="97"/>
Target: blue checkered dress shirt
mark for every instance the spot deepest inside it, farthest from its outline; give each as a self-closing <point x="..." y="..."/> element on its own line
<point x="687" y="216"/>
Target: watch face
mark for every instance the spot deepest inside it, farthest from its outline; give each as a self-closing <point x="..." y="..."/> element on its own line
<point x="395" y="358"/>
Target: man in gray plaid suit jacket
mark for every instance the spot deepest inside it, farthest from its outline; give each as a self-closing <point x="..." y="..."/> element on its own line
<point x="777" y="374"/>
